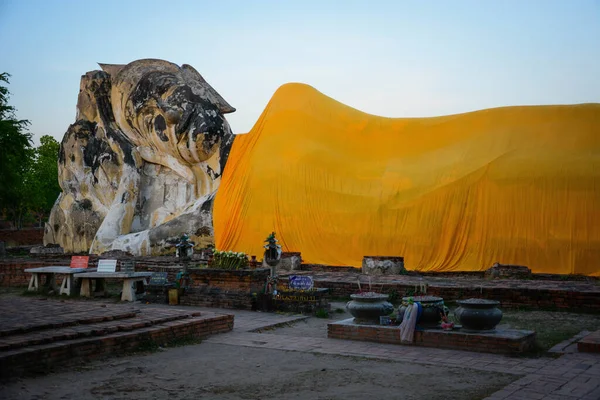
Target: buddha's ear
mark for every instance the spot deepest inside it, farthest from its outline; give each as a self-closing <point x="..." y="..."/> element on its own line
<point x="211" y="94"/>
<point x="112" y="69"/>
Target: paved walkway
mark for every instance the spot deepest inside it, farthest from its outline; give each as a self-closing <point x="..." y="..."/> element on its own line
<point x="570" y="377"/>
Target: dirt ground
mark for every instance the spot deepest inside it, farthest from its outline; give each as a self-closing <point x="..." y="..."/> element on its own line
<point x="213" y="371"/>
<point x="216" y="371"/>
<point x="210" y="371"/>
<point x="314" y="327"/>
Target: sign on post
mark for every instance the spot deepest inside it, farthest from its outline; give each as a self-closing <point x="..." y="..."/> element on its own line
<point x="159" y="278"/>
<point x="107" y="266"/>
<point x="127" y="266"/>
<point x="301" y="282"/>
<point x="80" y="261"/>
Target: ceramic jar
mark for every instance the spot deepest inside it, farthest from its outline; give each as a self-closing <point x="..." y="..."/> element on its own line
<point x="366" y="308"/>
<point x="431" y="315"/>
<point x="478" y="314"/>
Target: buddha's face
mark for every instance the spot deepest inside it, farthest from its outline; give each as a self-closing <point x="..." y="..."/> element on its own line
<point x="170" y="109"/>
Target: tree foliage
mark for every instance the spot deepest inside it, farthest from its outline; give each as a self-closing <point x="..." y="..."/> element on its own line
<point x="41" y="179"/>
<point x="15" y="147"/>
<point x="28" y="176"/>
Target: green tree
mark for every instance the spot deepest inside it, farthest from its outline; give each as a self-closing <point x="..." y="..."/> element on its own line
<point x="42" y="179"/>
<point x="15" y="157"/>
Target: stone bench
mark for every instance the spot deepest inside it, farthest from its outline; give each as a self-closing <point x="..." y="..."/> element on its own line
<point x="50" y="273"/>
<point x="79" y="264"/>
<point x="129" y="280"/>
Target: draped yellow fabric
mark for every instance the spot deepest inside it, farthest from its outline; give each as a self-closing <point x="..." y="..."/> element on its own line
<point x="515" y="185"/>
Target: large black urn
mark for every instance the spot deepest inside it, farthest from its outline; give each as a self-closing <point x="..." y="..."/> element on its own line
<point x="432" y="310"/>
<point x="366" y="308"/>
<point x="478" y="314"/>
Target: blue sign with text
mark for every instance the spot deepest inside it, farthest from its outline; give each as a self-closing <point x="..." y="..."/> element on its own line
<point x="159" y="278"/>
<point x="301" y="282"/>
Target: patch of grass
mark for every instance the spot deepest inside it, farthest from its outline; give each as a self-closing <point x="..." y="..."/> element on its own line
<point x="340" y="310"/>
<point x="113" y="288"/>
<point x="343" y="299"/>
<point x="322" y="313"/>
<point x="551" y="327"/>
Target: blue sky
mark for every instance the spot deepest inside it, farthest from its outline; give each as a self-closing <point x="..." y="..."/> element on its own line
<point x="391" y="58"/>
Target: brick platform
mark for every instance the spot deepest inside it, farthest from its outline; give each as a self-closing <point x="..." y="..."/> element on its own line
<point x="209" y="287"/>
<point x="512" y="293"/>
<point x="37" y="335"/>
<point x="224" y="288"/>
<point x="590" y="343"/>
<point x="508" y="341"/>
<point x="542" y="291"/>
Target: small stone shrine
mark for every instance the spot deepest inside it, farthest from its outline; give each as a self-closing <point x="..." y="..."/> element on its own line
<point x="378" y="265"/>
<point x="301" y="296"/>
<point x="157" y="290"/>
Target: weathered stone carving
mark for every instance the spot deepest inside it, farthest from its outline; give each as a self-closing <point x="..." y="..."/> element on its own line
<point x="290" y="261"/>
<point x="377" y="265"/>
<point x="142" y="162"/>
<point x="508" y="271"/>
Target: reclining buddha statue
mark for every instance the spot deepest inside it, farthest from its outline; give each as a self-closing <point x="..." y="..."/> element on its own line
<point x="142" y="162"/>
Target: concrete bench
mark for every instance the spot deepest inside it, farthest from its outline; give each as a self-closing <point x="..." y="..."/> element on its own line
<point x="107" y="270"/>
<point x="78" y="265"/>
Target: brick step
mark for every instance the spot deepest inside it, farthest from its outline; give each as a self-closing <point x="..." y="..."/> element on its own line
<point x="105" y="327"/>
<point x="43" y="358"/>
<point x="71" y="319"/>
<point x="590" y="343"/>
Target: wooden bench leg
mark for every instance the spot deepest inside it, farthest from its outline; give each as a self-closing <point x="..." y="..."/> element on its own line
<point x="34" y="284"/>
<point x="85" y="287"/>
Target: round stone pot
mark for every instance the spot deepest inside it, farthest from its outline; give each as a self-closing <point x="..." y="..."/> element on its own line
<point x="478" y="314"/>
<point x="433" y="309"/>
<point x="367" y="308"/>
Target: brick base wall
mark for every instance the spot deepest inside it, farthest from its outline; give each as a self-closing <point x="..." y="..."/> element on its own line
<point x="590" y="343"/>
<point x="328" y="268"/>
<point x="232" y="283"/>
<point x="508" y="297"/>
<point x="486" y="343"/>
<point x="224" y="288"/>
<point x="209" y="287"/>
<point x="22" y="237"/>
<point x="216" y="297"/>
